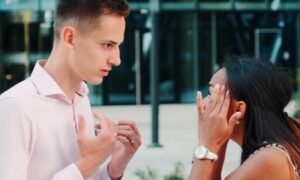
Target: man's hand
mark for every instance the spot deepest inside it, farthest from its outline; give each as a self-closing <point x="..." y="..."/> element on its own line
<point x="129" y="140"/>
<point x="93" y="151"/>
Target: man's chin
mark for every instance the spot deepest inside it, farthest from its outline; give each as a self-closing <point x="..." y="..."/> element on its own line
<point x="95" y="81"/>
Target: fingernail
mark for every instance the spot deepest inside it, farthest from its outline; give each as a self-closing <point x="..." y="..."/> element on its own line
<point x="223" y="88"/>
<point x="238" y="115"/>
<point x="198" y="93"/>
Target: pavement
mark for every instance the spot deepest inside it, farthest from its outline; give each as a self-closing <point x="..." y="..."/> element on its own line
<point x="177" y="135"/>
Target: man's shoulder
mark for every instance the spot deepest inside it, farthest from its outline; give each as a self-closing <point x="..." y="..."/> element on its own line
<point x="21" y="90"/>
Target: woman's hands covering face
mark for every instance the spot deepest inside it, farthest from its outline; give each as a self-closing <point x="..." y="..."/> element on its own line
<point x="214" y="129"/>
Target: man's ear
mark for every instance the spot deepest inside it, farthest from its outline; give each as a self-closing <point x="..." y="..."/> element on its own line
<point x="241" y="107"/>
<point x="67" y="36"/>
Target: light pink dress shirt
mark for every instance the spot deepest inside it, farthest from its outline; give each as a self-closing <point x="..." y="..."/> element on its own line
<point x="38" y="130"/>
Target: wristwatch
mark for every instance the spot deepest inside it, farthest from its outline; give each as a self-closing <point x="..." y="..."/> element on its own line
<point x="202" y="152"/>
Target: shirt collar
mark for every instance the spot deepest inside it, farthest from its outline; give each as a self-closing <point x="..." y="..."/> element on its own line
<point x="47" y="86"/>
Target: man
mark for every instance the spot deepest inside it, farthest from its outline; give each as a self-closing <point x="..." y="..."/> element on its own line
<point x="47" y="129"/>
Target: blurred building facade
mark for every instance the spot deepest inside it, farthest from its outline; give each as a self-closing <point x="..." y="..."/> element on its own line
<point x="194" y="38"/>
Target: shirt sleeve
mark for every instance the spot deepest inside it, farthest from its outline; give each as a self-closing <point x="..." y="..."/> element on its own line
<point x="103" y="171"/>
<point x="16" y="138"/>
<point x="70" y="172"/>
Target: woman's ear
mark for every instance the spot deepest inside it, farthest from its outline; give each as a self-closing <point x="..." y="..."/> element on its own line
<point x="241" y="107"/>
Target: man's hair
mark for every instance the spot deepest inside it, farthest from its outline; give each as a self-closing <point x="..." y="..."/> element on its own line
<point x="85" y="12"/>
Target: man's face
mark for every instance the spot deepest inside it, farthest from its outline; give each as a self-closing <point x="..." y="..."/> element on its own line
<point x="96" y="51"/>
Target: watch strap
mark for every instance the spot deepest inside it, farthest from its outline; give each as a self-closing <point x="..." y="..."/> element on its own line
<point x="205" y="153"/>
<point x="212" y="156"/>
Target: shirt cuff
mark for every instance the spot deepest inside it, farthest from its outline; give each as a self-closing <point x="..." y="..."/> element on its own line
<point x="119" y="178"/>
<point x="70" y="172"/>
<point x="104" y="171"/>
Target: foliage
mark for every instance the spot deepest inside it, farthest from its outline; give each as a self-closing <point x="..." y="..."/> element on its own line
<point x="148" y="174"/>
<point x="177" y="174"/>
<point x="152" y="174"/>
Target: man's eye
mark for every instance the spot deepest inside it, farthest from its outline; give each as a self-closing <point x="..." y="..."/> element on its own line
<point x="107" y="45"/>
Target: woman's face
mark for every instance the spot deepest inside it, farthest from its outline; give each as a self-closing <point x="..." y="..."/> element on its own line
<point x="220" y="78"/>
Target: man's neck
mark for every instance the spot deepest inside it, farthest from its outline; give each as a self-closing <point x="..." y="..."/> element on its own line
<point x="59" y="70"/>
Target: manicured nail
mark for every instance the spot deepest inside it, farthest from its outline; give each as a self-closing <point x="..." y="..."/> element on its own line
<point x="223" y="88"/>
<point x="217" y="86"/>
<point x="198" y="93"/>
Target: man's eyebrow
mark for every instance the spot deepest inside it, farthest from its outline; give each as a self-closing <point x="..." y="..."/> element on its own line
<point x="210" y="85"/>
<point x="110" y="41"/>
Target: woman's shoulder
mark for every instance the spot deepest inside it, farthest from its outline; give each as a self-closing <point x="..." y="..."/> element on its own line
<point x="270" y="162"/>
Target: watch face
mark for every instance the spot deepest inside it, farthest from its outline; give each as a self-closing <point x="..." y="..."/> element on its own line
<point x="200" y="152"/>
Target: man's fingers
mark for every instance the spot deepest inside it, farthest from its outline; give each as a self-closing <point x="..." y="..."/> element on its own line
<point x="97" y="126"/>
<point x="128" y="133"/>
<point x="131" y="124"/>
<point x="135" y="143"/>
<point x="98" y="115"/>
<point x="106" y="125"/>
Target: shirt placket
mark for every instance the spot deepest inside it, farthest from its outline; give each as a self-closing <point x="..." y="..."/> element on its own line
<point x="74" y="115"/>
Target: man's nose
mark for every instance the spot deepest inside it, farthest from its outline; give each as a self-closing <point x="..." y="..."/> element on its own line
<point x="115" y="59"/>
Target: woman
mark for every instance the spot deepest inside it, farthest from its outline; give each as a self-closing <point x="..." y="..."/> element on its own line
<point x="246" y="104"/>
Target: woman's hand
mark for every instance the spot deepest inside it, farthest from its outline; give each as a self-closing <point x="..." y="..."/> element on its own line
<point x="213" y="127"/>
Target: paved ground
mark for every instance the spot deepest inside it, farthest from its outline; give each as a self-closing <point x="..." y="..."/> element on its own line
<point x="178" y="135"/>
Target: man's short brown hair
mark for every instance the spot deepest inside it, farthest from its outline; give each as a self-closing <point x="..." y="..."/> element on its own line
<point x="84" y="12"/>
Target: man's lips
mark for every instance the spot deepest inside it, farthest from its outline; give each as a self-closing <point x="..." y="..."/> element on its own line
<point x="105" y="72"/>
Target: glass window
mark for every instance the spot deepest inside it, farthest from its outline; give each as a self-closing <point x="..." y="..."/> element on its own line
<point x="138" y="1"/>
<point x="177" y="0"/>
<point x="177" y="56"/>
<point x="19" y="4"/>
<point x="267" y="35"/>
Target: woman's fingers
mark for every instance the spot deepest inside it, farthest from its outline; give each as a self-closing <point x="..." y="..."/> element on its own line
<point x="225" y="106"/>
<point x="234" y="119"/>
<point x="220" y="100"/>
<point x="200" y="105"/>
<point x="213" y="99"/>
